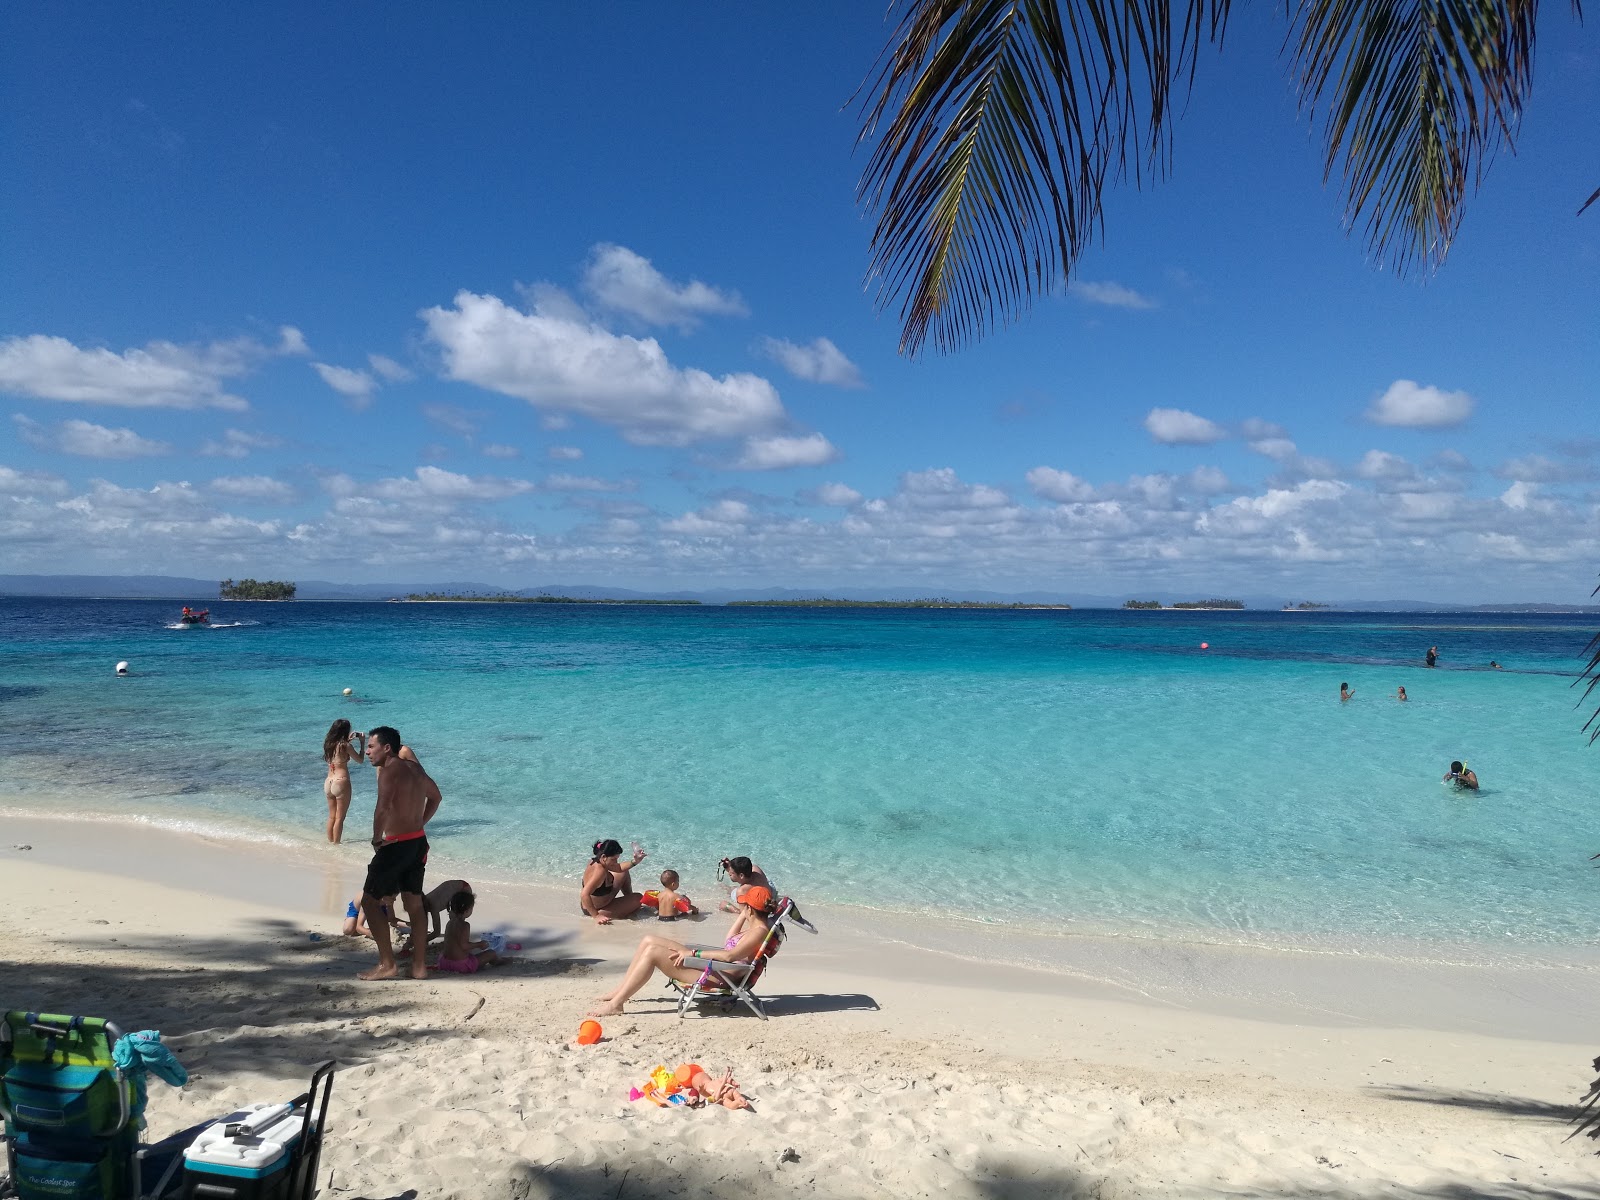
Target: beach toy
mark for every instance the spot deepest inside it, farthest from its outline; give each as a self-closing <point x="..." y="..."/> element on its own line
<point x="1205" y="645"/>
<point x="589" y="1033"/>
<point x="349" y="691"/>
<point x="686" y="1073"/>
<point x="122" y="668"/>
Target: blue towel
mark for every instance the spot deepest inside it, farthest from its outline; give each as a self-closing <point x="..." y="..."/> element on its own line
<point x="137" y="1054"/>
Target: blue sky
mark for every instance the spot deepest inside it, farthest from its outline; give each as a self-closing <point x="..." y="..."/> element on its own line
<point x="575" y="293"/>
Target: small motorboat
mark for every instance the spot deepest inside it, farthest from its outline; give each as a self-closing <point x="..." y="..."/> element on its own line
<point x="192" y="616"/>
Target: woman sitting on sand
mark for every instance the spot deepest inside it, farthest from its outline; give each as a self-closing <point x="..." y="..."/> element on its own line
<point x="607" y="890"/>
<point x="338" y="748"/>
<point x="657" y="953"/>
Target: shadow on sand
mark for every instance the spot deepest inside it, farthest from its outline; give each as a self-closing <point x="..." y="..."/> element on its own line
<point x="1511" y="1106"/>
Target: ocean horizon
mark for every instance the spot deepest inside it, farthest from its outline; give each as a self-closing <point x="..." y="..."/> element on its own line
<point x="1090" y="771"/>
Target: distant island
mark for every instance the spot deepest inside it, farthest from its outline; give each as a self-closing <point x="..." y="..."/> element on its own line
<point x="255" y="589"/>
<point x="509" y="598"/>
<point x="1209" y="605"/>
<point x="925" y="602"/>
<point x="1304" y="606"/>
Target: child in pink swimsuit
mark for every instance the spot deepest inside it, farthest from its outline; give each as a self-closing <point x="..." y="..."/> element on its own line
<point x="459" y="952"/>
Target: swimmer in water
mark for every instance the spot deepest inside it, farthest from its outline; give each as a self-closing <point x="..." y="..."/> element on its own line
<point x="1400" y="694"/>
<point x="1344" y="692"/>
<point x="1432" y="657"/>
<point x="1462" y="776"/>
<point x="1494" y="666"/>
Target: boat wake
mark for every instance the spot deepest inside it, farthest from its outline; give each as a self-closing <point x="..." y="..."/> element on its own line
<point x="210" y="624"/>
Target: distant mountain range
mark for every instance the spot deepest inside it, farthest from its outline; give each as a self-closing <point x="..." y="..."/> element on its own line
<point x="171" y="587"/>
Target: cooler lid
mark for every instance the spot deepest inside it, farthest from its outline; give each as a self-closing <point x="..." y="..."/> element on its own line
<point x="247" y="1151"/>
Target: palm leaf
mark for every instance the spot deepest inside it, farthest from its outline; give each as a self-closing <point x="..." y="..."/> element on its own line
<point x="1419" y="93"/>
<point x="1591" y="673"/>
<point x="1008" y="116"/>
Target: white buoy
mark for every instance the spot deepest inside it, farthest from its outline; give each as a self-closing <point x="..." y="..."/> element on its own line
<point x="122" y="668"/>
<point x="349" y="691"/>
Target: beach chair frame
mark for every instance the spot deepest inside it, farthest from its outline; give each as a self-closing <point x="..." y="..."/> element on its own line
<point x="720" y="982"/>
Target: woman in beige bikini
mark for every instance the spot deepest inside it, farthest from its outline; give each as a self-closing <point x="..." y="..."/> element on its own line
<point x="338" y="748"/>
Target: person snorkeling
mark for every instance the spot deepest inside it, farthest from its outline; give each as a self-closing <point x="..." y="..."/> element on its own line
<point x="1462" y="776"/>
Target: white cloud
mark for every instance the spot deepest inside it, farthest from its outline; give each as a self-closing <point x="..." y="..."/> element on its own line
<point x="715" y="520"/>
<point x="1519" y="495"/>
<point x="1278" y="448"/>
<point x="292" y="343"/>
<point x="1536" y="468"/>
<point x="1061" y="486"/>
<point x="1112" y="295"/>
<point x="1380" y="464"/>
<point x="357" y="386"/>
<point x="161" y="375"/>
<point x="583" y="483"/>
<point x="618" y="279"/>
<point x="833" y="495"/>
<point x="252" y="487"/>
<point x="498" y="450"/>
<point x="564" y="453"/>
<point x="1178" y="427"/>
<point x="781" y="451"/>
<point x="1452" y="460"/>
<point x="435" y="483"/>
<point x="1206" y="481"/>
<point x="1414" y="406"/>
<point x="387" y="369"/>
<point x="555" y="362"/>
<point x="30" y="483"/>
<point x="237" y="443"/>
<point x="87" y="440"/>
<point x="820" y="362"/>
<point x="1254" y="429"/>
<point x="457" y="420"/>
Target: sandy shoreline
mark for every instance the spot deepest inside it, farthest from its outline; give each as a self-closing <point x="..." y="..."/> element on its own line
<point x="888" y="1070"/>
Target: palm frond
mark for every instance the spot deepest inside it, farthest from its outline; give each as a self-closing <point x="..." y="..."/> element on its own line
<point x="1587" y="1122"/>
<point x="1595" y="196"/>
<point x="1005" y="119"/>
<point x="1590" y="677"/>
<point x="1420" y="93"/>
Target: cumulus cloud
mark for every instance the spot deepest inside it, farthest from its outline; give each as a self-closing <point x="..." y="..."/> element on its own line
<point x="556" y="361"/>
<point x="1536" y="468"/>
<point x="159" y="375"/>
<point x="1380" y="464"/>
<point x="819" y="362"/>
<point x="237" y="443"/>
<point x="1112" y="295"/>
<point x="1413" y="406"/>
<point x="564" y="453"/>
<point x="1061" y="486"/>
<point x="387" y="369"/>
<point x="833" y="495"/>
<point x="780" y="452"/>
<point x="1519" y="495"/>
<point x="292" y="342"/>
<point x="87" y="440"/>
<point x="30" y="483"/>
<point x="355" y="385"/>
<point x="433" y="486"/>
<point x="252" y="487"/>
<point x="715" y="520"/>
<point x="584" y="483"/>
<point x="1280" y="449"/>
<point x="618" y="279"/>
<point x="1179" y="427"/>
<point x="457" y="420"/>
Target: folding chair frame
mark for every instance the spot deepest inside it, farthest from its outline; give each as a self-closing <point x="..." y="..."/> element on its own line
<point x="716" y="982"/>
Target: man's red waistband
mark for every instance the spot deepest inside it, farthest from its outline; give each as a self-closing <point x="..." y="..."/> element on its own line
<point x="405" y="837"/>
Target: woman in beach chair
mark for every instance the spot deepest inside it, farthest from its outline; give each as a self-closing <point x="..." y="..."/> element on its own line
<point x="662" y="954"/>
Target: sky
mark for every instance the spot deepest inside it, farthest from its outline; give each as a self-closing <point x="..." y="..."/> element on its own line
<point x="573" y="293"/>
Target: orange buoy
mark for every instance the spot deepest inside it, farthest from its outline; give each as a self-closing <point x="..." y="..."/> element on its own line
<point x="1205" y="645"/>
<point x="589" y="1033"/>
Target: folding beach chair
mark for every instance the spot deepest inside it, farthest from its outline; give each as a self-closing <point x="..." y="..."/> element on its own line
<point x="730" y="983"/>
<point x="71" y="1120"/>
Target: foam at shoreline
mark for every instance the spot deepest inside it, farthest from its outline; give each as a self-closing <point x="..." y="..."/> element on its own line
<point x="1533" y="999"/>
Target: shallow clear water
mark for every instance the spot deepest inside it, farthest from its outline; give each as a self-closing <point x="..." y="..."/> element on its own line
<point x="1089" y="767"/>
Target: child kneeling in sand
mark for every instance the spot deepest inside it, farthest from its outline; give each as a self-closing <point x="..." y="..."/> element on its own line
<point x="459" y="952"/>
<point x="668" y="901"/>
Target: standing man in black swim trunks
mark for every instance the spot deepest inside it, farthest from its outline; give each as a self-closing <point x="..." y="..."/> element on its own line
<point x="407" y="800"/>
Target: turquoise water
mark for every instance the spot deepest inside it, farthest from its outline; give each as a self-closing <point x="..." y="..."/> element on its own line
<point x="1096" y="770"/>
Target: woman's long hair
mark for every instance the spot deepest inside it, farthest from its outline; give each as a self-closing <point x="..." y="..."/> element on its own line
<point x="338" y="732"/>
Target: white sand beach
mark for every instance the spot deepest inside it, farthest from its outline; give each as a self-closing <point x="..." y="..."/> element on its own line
<point x="885" y="1070"/>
